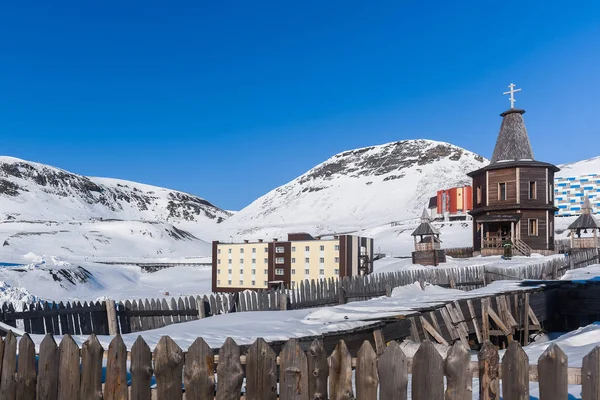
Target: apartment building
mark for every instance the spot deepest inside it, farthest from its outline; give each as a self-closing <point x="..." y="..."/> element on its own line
<point x="570" y="193"/>
<point x="261" y="265"/>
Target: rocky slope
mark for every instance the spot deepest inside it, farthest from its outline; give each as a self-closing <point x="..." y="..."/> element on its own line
<point x="358" y="189"/>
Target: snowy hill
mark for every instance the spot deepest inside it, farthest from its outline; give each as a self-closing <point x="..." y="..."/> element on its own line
<point x="584" y="167"/>
<point x="357" y="190"/>
<point x="47" y="210"/>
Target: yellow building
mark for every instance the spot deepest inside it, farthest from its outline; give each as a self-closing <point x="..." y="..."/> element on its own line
<point x="260" y="265"/>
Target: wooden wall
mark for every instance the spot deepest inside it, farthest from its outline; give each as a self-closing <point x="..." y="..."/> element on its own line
<point x="539" y="241"/>
<point x="508" y="176"/>
<point x="537" y="175"/>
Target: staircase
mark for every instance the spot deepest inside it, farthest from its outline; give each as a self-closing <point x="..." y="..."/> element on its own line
<point x="522" y="247"/>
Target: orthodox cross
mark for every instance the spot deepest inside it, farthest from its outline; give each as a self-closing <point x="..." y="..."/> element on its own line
<point x="512" y="92"/>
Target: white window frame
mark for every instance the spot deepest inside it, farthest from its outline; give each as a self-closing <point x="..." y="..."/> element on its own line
<point x="537" y="227"/>
<point x="279" y="249"/>
<point x="279" y="271"/>
<point x="279" y="260"/>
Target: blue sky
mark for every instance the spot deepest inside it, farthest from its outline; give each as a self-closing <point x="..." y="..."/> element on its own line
<point x="230" y="99"/>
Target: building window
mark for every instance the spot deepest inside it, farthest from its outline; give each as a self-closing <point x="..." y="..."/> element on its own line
<point x="266" y="260"/>
<point x="218" y="251"/>
<point x="336" y="271"/>
<point x="254" y="249"/>
<point x="254" y="261"/>
<point x="293" y="260"/>
<point x="218" y="271"/>
<point x="502" y="191"/>
<point x="253" y="272"/>
<point x="322" y="248"/>
<point x="241" y="272"/>
<point x="279" y="249"/>
<point x="479" y="193"/>
<point x="219" y="261"/>
<point x="218" y="281"/>
<point x="306" y="248"/>
<point x="279" y="260"/>
<point x="241" y="281"/>
<point x="241" y="260"/>
<point x="321" y="272"/>
<point x="241" y="250"/>
<point x="266" y="272"/>
<point x="307" y="260"/>
<point x="229" y="251"/>
<point x="230" y="261"/>
<point x="337" y="260"/>
<point x="266" y="283"/>
<point x="230" y="271"/>
<point x="253" y="283"/>
<point x="279" y="271"/>
<point x="293" y="248"/>
<point x="336" y="247"/>
<point x="266" y="249"/>
<point x="229" y="282"/>
<point x="533" y="227"/>
<point x="307" y="271"/>
<point x="321" y="260"/>
<point x="293" y="272"/>
<point x="551" y="192"/>
<point x="532" y="191"/>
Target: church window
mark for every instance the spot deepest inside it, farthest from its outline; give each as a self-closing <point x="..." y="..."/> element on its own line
<point x="502" y="191"/>
<point x="532" y="190"/>
<point x="533" y="227"/>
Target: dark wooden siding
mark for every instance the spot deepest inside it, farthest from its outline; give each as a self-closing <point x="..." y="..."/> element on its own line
<point x="479" y="181"/>
<point x="508" y="176"/>
<point x="537" y="175"/>
<point x="535" y="242"/>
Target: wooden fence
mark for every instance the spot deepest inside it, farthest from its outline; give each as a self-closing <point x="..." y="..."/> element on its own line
<point x="138" y="315"/>
<point x="459" y="252"/>
<point x="65" y="372"/>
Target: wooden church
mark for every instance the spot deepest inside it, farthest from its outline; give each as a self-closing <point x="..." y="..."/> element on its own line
<point x="513" y="196"/>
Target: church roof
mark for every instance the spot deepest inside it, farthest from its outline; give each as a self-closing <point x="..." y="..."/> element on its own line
<point x="513" y="142"/>
<point x="425" y="229"/>
<point x="586" y="220"/>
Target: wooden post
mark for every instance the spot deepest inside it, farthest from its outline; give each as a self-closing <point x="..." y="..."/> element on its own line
<point x="459" y="374"/>
<point x="283" y="298"/>
<point x="388" y="290"/>
<point x="553" y="373"/>
<point x="427" y="373"/>
<point x="342" y="295"/>
<point x="526" y="320"/>
<point x="489" y="386"/>
<point x="485" y="320"/>
<point x="515" y="373"/>
<point x="379" y="341"/>
<point x="111" y="312"/>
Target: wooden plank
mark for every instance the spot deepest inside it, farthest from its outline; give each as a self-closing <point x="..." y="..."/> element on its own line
<point x="183" y="304"/>
<point x="367" y="380"/>
<point x="37" y="323"/>
<point x="318" y="370"/>
<point x="293" y="381"/>
<point x="229" y="371"/>
<point x="507" y="316"/>
<point x="414" y="332"/>
<point x="141" y="370"/>
<point x="91" y="369"/>
<point x="48" y="318"/>
<point x="167" y="319"/>
<point x="193" y="308"/>
<point x="553" y="374"/>
<point x="55" y="321"/>
<point x="261" y="372"/>
<point x="590" y="372"/>
<point x="85" y="318"/>
<point x="507" y="332"/>
<point x="135" y="321"/>
<point x="458" y="322"/>
<point x="449" y="325"/>
<point x="459" y="374"/>
<point x="218" y="310"/>
<point x="26" y="377"/>
<point x="8" y="385"/>
<point x="111" y="312"/>
<point x="201" y="307"/>
<point x="392" y="369"/>
<point x="173" y="306"/>
<point x="474" y="320"/>
<point x="168" y="366"/>
<point x="124" y="321"/>
<point x="340" y="373"/>
<point x="144" y="323"/>
<point x="534" y="319"/>
<point x="515" y="373"/>
<point x="149" y="319"/>
<point x="526" y="320"/>
<point x="156" y="319"/>
<point x="115" y="387"/>
<point x="47" y="382"/>
<point x="379" y="341"/>
<point x="198" y="374"/>
<point x="488" y="360"/>
<point x="427" y="373"/>
<point x="434" y="321"/>
<point x="68" y="374"/>
<point x="429" y="328"/>
<point x="70" y="320"/>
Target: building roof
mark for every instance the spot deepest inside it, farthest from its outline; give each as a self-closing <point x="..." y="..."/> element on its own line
<point x="513" y="142"/>
<point x="586" y="220"/>
<point x="433" y="202"/>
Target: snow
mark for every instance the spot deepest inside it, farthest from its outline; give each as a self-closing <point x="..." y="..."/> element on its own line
<point x="591" y="272"/>
<point x="579" y="168"/>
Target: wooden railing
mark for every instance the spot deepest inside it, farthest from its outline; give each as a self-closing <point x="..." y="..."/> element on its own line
<point x="66" y="372"/>
<point x="522" y="247"/>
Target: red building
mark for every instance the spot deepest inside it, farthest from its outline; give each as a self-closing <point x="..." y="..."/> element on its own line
<point x="458" y="200"/>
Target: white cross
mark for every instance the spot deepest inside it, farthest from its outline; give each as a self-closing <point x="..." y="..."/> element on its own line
<point x="512" y="92"/>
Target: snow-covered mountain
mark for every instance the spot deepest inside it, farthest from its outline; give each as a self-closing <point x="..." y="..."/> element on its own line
<point x="584" y="167"/>
<point x="60" y="213"/>
<point x="358" y="189"/>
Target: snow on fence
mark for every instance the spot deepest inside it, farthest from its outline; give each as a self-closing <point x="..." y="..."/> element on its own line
<point x="139" y="315"/>
<point x="66" y="372"/>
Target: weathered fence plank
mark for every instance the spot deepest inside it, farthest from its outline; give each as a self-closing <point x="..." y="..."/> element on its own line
<point x="68" y="374"/>
<point x="198" y="373"/>
<point x="489" y="369"/>
<point x="393" y="373"/>
<point x="8" y="388"/>
<point x="229" y="371"/>
<point x="261" y="372"/>
<point x="115" y="387"/>
<point x="91" y="369"/>
<point x="340" y="373"/>
<point x="590" y="372"/>
<point x="367" y="380"/>
<point x="427" y="373"/>
<point x="141" y="370"/>
<point x="459" y="374"/>
<point x="47" y="382"/>
<point x="553" y="373"/>
<point x="168" y="366"/>
<point x="293" y="380"/>
<point x="318" y="371"/>
<point x="26" y="377"/>
<point x="515" y="373"/>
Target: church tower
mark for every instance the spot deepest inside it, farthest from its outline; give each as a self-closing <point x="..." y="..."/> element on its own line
<point x="513" y="196"/>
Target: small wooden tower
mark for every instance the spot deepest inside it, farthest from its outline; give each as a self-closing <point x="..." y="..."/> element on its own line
<point x="427" y="243"/>
<point x="582" y="224"/>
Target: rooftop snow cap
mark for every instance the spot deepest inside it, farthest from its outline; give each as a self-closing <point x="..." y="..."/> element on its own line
<point x="512" y="143"/>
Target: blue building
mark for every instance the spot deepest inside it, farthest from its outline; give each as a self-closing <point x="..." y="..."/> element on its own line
<point x="570" y="192"/>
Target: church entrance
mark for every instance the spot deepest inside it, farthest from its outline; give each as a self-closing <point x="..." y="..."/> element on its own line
<point x="493" y="231"/>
